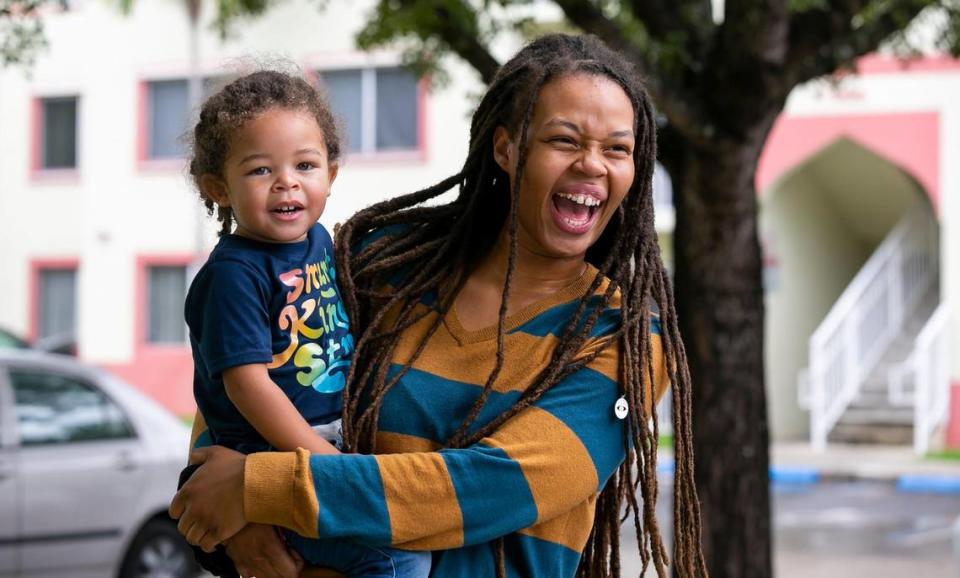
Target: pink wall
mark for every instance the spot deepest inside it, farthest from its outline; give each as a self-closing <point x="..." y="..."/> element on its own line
<point x="911" y="141"/>
<point x="164" y="372"/>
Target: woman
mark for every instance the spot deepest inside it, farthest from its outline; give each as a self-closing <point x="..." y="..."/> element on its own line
<point x="510" y="329"/>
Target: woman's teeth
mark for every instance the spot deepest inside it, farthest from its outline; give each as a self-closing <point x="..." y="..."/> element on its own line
<point x="581" y="199"/>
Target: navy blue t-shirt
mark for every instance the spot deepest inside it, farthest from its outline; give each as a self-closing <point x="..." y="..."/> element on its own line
<point x="273" y="303"/>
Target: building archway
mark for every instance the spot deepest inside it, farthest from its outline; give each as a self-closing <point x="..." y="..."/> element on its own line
<point x="820" y="222"/>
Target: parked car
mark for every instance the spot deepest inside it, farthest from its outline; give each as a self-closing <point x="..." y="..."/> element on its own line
<point x="9" y="340"/>
<point x="88" y="466"/>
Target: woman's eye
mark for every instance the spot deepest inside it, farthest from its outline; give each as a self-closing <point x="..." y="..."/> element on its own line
<point x="621" y="149"/>
<point x="564" y="141"/>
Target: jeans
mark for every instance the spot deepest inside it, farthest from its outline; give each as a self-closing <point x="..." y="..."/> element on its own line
<point x="357" y="560"/>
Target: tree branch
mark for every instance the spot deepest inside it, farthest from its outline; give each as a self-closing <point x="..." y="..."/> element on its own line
<point x="665" y="88"/>
<point x="438" y="24"/>
<point x="822" y="41"/>
<point x="466" y="46"/>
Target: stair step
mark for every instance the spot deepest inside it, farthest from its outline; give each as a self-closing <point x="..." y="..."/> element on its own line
<point x="877" y="416"/>
<point x="871" y="434"/>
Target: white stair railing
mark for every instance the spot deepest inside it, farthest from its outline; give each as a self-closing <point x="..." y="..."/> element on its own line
<point x="870" y="312"/>
<point x="923" y="379"/>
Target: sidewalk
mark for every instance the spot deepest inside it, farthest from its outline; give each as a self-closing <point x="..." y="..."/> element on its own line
<point x="797" y="462"/>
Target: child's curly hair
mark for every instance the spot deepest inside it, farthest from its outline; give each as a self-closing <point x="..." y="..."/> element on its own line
<point x="237" y="103"/>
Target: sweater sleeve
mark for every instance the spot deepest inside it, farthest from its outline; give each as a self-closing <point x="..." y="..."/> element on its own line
<point x="543" y="462"/>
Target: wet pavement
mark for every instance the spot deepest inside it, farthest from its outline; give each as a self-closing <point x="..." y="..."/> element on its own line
<point x="856" y="529"/>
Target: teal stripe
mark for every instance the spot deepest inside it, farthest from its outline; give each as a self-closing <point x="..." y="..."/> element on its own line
<point x="422" y="404"/>
<point x="526" y="557"/>
<point x="554" y="320"/>
<point x="204" y="440"/>
<point x="584" y="403"/>
<point x="355" y="510"/>
<point x="483" y="477"/>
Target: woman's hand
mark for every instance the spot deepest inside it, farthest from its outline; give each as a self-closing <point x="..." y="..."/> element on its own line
<point x="210" y="505"/>
<point x="258" y="550"/>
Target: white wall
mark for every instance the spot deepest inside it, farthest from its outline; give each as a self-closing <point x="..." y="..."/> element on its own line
<point x="114" y="209"/>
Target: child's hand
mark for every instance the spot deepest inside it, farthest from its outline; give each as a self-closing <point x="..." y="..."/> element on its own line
<point x="259" y="550"/>
<point x="210" y="504"/>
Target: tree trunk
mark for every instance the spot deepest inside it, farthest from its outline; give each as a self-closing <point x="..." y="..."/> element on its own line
<point x="719" y="297"/>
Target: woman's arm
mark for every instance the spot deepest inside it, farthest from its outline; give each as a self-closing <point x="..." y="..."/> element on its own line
<point x="548" y="459"/>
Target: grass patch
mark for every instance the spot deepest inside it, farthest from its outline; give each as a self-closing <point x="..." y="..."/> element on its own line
<point x="665" y="442"/>
<point x="187" y="418"/>
<point x="947" y="454"/>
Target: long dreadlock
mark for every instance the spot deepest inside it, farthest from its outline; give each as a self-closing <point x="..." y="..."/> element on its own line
<point x="439" y="244"/>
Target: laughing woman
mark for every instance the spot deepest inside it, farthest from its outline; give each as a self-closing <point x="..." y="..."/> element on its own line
<point x="508" y="358"/>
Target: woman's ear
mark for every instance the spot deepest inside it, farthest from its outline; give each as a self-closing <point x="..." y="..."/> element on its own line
<point x="214" y="189"/>
<point x="503" y="149"/>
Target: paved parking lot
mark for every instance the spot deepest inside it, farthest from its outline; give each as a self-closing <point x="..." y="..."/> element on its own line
<point x="852" y="530"/>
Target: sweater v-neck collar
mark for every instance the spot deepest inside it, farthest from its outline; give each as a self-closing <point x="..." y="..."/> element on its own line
<point x="571" y="291"/>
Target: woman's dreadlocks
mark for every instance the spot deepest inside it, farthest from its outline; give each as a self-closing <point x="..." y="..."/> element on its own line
<point x="440" y="244"/>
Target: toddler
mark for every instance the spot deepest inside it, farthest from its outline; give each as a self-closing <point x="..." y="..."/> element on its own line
<point x="270" y="338"/>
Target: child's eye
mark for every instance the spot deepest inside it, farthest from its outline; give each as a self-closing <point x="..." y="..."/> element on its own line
<point x="259" y="171"/>
<point x="304" y="166"/>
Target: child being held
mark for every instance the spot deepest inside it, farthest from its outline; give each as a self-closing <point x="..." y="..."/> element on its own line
<point x="270" y="338"/>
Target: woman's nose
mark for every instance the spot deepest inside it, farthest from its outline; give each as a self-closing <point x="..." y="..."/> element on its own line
<point x="591" y="163"/>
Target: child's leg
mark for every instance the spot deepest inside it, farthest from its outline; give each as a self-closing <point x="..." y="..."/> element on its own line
<point x="359" y="561"/>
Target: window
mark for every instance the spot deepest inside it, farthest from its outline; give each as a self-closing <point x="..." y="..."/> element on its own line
<point x="168" y="106"/>
<point x="169" y="115"/>
<point x="166" y="288"/>
<point x="57" y="303"/>
<point x="54" y="409"/>
<point x="58" y="137"/>
<point x="378" y="107"/>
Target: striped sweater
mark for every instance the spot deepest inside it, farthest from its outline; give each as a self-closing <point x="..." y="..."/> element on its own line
<point x="534" y="480"/>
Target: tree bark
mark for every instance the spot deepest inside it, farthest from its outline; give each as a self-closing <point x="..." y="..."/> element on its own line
<point x="719" y="298"/>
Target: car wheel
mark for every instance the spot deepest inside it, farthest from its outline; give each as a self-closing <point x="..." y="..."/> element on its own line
<point x="159" y="551"/>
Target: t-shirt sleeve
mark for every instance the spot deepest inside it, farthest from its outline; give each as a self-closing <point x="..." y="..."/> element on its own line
<point x="228" y="317"/>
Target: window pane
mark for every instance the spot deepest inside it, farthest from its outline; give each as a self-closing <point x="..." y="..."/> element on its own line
<point x="396" y="109"/>
<point x="57" y="302"/>
<point x="59" y="133"/>
<point x="166" y="290"/>
<point x="346" y="100"/>
<point x="169" y="112"/>
<point x="53" y="409"/>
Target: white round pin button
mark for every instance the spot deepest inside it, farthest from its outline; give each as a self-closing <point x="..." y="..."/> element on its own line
<point x="620" y="408"/>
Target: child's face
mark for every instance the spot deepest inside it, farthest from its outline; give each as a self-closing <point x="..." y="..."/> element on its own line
<point x="276" y="178"/>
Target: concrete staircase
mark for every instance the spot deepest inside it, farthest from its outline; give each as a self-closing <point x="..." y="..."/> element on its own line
<point x="871" y="418"/>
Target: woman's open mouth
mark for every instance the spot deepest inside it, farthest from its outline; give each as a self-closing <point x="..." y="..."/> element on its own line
<point x="575" y="213"/>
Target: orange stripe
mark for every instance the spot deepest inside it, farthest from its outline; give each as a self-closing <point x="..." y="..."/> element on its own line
<point x="571" y="529"/>
<point x="397" y="443"/>
<point x="406" y="481"/>
<point x="556" y="479"/>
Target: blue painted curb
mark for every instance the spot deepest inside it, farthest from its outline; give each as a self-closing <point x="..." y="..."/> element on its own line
<point x="928" y="484"/>
<point x="794" y="475"/>
<point x="666" y="467"/>
<point x="778" y="475"/>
